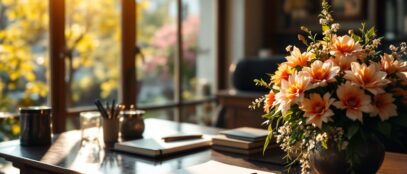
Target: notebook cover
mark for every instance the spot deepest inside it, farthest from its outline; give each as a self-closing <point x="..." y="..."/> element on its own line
<point x="236" y="143"/>
<point x="154" y="147"/>
<point x="237" y="150"/>
<point x="246" y="133"/>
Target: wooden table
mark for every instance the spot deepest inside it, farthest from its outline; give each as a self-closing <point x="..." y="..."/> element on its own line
<point x="67" y="155"/>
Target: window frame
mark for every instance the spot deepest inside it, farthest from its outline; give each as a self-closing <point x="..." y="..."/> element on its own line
<point x="128" y="77"/>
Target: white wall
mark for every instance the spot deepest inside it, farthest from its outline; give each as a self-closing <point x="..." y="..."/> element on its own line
<point x="244" y="30"/>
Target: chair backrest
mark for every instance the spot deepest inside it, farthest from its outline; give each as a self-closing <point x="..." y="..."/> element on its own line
<point x="249" y="69"/>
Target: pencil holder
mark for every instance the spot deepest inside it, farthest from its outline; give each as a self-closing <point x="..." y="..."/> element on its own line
<point x="110" y="130"/>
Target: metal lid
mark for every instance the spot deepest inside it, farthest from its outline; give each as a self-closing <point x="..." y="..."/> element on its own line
<point x="131" y="113"/>
<point x="35" y="109"/>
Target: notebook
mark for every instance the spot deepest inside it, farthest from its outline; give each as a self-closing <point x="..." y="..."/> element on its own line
<point x="246" y="134"/>
<point x="215" y="167"/>
<point x="222" y="140"/>
<point x="154" y="147"/>
<point x="237" y="150"/>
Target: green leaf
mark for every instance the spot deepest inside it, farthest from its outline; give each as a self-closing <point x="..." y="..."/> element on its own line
<point x="324" y="144"/>
<point x="269" y="137"/>
<point x="384" y="128"/>
<point x="325" y="28"/>
<point x="261" y="82"/>
<point x="356" y="38"/>
<point x="353" y="129"/>
<point x="371" y="32"/>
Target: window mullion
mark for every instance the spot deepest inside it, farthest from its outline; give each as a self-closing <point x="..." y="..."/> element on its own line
<point x="128" y="77"/>
<point x="178" y="63"/>
<point x="57" y="64"/>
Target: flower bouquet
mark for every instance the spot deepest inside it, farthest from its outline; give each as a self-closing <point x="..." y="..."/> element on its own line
<point x="339" y="99"/>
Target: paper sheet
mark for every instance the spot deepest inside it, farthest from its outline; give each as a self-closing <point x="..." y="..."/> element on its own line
<point x="214" y="167"/>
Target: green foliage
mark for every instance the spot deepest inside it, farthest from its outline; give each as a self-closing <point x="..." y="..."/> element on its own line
<point x="257" y="103"/>
<point x="262" y="83"/>
<point x="352" y="130"/>
<point x="9" y="128"/>
<point x="269" y="138"/>
<point x="325" y="28"/>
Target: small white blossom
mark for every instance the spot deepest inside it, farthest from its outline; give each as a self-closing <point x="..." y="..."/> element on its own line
<point x="376" y="42"/>
<point x="335" y="27"/>
<point x="393" y="48"/>
<point x="403" y="47"/>
<point x="323" y="21"/>
<point x="289" y="48"/>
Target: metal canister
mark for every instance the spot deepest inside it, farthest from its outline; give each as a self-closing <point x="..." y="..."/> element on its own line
<point x="35" y="125"/>
<point x="132" y="124"/>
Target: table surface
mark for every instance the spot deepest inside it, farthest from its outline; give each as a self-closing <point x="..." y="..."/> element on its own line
<point x="67" y="155"/>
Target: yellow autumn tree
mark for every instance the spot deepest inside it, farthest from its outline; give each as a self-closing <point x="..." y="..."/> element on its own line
<point x="22" y="32"/>
<point x="92" y="31"/>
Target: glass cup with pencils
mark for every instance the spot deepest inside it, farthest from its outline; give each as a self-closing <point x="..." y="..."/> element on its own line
<point x="110" y="121"/>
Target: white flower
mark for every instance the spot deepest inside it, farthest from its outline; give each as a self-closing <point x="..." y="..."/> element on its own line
<point x="335" y="27"/>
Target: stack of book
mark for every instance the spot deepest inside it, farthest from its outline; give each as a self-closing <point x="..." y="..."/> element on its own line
<point x="244" y="140"/>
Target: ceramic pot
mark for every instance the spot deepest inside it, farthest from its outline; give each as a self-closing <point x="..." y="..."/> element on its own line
<point x="132" y="124"/>
<point x="333" y="161"/>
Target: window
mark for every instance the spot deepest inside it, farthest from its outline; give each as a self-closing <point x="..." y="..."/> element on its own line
<point x="198" y="48"/>
<point x="23" y="54"/>
<point x="157" y="38"/>
<point x="67" y="53"/>
<point x="92" y="34"/>
<point x="162" y="80"/>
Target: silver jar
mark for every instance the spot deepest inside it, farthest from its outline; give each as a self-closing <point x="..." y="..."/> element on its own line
<point x="132" y="124"/>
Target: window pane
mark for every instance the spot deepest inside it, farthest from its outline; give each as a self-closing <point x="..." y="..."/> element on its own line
<point x="92" y="33"/>
<point x="198" y="32"/>
<point x="156" y="36"/>
<point x="166" y="114"/>
<point x="202" y="114"/>
<point x="23" y="53"/>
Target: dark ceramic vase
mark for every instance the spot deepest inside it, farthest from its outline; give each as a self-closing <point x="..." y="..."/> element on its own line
<point x="333" y="161"/>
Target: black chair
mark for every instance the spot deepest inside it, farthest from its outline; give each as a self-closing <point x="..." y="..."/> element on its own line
<point x="243" y="77"/>
<point x="249" y="69"/>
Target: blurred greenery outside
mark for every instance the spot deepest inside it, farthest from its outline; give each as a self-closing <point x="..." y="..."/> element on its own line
<point x="92" y="31"/>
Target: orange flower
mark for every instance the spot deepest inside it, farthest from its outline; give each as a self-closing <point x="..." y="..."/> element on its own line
<point x="390" y="65"/>
<point x="345" y="50"/>
<point x="292" y="90"/>
<point x="316" y="109"/>
<point x="343" y="62"/>
<point x="368" y="77"/>
<point x="384" y="107"/>
<point x="297" y="58"/>
<point x="354" y="100"/>
<point x="281" y="74"/>
<point x="269" y="101"/>
<point x="402" y="77"/>
<point x="322" y="72"/>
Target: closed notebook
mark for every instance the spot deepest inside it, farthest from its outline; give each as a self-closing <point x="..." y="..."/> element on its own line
<point x="222" y="140"/>
<point x="246" y="133"/>
<point x="237" y="150"/>
<point x="154" y="147"/>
